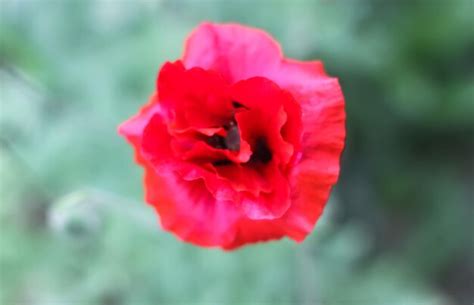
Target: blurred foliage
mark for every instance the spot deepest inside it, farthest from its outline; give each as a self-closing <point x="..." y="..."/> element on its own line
<point x="398" y="228"/>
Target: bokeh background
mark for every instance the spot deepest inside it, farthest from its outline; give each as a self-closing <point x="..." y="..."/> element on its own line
<point x="399" y="225"/>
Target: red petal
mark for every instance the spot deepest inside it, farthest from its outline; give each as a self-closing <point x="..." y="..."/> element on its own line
<point x="156" y="150"/>
<point x="269" y="205"/>
<point x="292" y="129"/>
<point x="189" y="210"/>
<point x="322" y="105"/>
<point x="265" y="115"/>
<point x="235" y="51"/>
<point x="155" y="144"/>
<point x="197" y="98"/>
<point x="251" y="231"/>
<point x="244" y="178"/>
<point x="185" y="207"/>
<point x="133" y="127"/>
<point x="201" y="152"/>
<point x="264" y="191"/>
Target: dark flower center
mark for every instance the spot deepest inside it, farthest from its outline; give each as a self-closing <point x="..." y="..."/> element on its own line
<point x="231" y="141"/>
<point x="238" y="105"/>
<point x="261" y="151"/>
<point x="216" y="141"/>
<point x="222" y="162"/>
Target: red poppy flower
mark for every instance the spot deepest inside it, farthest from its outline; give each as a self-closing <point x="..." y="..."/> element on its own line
<point x="239" y="144"/>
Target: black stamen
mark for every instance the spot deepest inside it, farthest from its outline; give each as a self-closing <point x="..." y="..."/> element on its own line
<point x="221" y="162"/>
<point x="216" y="141"/>
<point x="261" y="151"/>
<point x="237" y="104"/>
<point x="232" y="140"/>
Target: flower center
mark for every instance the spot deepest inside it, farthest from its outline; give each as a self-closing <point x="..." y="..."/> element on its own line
<point x="261" y="151"/>
<point x="231" y="141"/>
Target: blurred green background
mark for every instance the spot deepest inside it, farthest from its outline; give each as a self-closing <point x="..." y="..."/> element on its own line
<point x="399" y="225"/>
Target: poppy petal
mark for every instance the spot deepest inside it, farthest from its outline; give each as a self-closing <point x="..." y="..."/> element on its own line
<point x="188" y="210"/>
<point x="323" y="121"/>
<point x="235" y="51"/>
